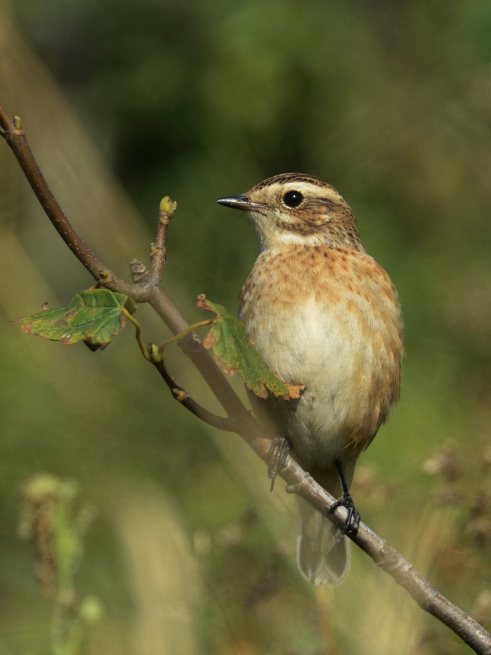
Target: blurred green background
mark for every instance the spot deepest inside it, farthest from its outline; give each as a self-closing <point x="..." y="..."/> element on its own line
<point x="125" y="102"/>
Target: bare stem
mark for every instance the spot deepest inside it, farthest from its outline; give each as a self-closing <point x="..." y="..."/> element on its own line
<point x="195" y="408"/>
<point x="158" y="253"/>
<point x="239" y="420"/>
<point x="16" y="139"/>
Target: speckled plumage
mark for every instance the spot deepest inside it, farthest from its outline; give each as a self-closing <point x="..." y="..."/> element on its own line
<point x="324" y="314"/>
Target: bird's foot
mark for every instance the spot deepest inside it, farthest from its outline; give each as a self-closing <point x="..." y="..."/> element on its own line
<point x="352" y="522"/>
<point x="279" y="451"/>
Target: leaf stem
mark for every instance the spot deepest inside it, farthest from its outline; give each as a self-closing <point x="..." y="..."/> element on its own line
<point x="161" y="349"/>
<point x="143" y="348"/>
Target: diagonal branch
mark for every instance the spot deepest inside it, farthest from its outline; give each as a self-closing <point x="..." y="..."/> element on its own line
<point x="15" y="137"/>
<point x="239" y="420"/>
<point x="191" y="405"/>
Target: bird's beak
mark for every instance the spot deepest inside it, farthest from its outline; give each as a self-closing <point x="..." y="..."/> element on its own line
<point x="239" y="202"/>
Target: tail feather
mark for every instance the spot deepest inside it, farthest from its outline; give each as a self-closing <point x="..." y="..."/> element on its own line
<point x="320" y="559"/>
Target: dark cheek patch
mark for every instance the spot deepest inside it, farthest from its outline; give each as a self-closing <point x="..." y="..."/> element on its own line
<point x="304" y="228"/>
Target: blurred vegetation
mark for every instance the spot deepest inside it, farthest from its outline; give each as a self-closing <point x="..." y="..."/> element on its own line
<point x="49" y="520"/>
<point x="388" y="101"/>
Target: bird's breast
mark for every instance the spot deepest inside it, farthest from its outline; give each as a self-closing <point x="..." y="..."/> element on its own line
<point x="330" y="320"/>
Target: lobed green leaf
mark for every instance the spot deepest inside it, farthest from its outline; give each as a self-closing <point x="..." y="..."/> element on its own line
<point x="235" y="353"/>
<point x="94" y="316"/>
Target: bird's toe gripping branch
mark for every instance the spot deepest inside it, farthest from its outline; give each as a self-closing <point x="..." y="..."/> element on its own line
<point x="352" y="522"/>
<point x="280" y="449"/>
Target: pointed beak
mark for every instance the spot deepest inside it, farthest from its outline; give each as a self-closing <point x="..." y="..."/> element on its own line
<point x="239" y="202"/>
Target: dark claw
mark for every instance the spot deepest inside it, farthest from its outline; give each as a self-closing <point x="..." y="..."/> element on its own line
<point x="279" y="451"/>
<point x="352" y="522"/>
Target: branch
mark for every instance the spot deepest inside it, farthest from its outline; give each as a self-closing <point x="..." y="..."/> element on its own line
<point x="158" y="253"/>
<point x="227" y="424"/>
<point x="239" y="419"/>
<point x="15" y="137"/>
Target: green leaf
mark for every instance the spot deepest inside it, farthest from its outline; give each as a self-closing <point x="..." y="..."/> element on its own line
<point x="94" y="316"/>
<point x="234" y="352"/>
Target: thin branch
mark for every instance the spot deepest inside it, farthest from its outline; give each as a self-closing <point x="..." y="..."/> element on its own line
<point x="244" y="424"/>
<point x="192" y="346"/>
<point x="393" y="563"/>
<point x="16" y="139"/>
<point x="220" y="422"/>
<point x="158" y="253"/>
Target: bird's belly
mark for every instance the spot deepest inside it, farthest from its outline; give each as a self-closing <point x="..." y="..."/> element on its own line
<point x="342" y="358"/>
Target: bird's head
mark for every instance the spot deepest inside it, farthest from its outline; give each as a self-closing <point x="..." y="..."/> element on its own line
<point x="293" y="208"/>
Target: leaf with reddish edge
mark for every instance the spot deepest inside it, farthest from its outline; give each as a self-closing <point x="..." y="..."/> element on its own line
<point x="235" y="353"/>
<point x="94" y="316"/>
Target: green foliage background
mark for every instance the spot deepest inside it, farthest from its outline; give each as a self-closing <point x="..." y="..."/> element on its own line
<point x="388" y="101"/>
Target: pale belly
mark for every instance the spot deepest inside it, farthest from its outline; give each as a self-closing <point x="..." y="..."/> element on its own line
<point x="346" y="353"/>
<point x="325" y="354"/>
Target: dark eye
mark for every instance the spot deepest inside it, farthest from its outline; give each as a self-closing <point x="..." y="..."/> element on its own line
<point x="293" y="199"/>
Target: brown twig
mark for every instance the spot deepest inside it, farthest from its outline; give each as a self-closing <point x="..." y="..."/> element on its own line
<point x="393" y="563"/>
<point x="220" y="422"/>
<point x="158" y="253"/>
<point x="147" y="290"/>
<point x="11" y="131"/>
<point x="16" y="139"/>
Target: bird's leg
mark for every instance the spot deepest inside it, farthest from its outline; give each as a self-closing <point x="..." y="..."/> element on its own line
<point x="279" y="451"/>
<point x="352" y="522"/>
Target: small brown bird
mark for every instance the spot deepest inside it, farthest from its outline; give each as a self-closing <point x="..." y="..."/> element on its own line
<point x="324" y="314"/>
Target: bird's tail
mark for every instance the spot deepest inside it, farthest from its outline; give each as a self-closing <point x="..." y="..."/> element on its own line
<point x="322" y="558"/>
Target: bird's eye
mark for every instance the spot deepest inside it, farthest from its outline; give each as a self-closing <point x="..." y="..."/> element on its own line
<point x="293" y="199"/>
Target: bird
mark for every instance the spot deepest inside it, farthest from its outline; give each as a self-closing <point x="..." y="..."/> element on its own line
<point x="323" y="314"/>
